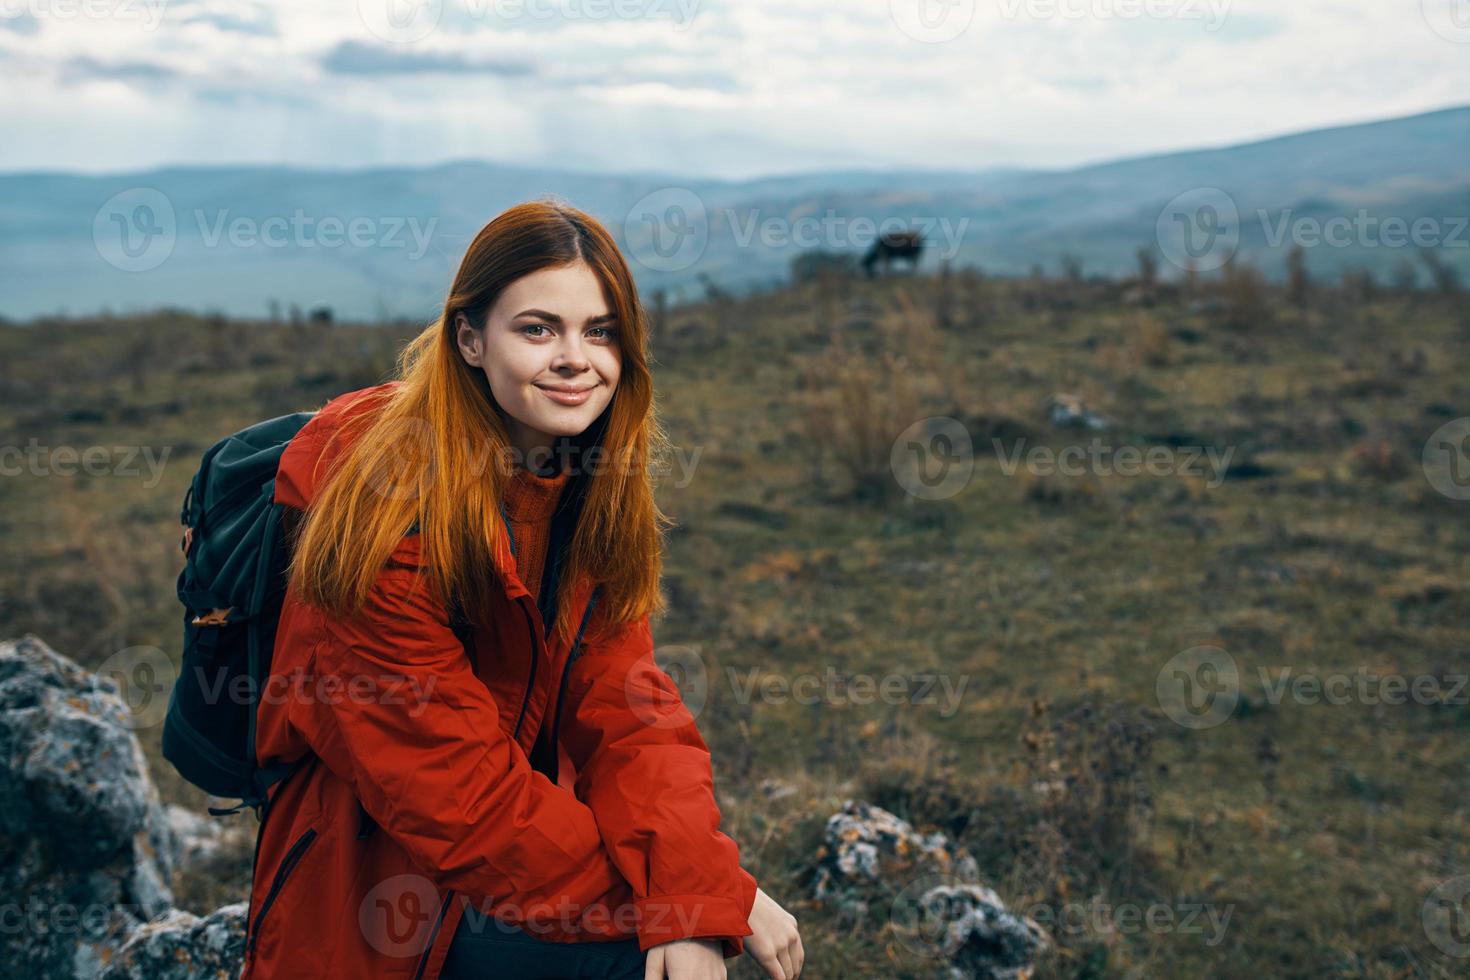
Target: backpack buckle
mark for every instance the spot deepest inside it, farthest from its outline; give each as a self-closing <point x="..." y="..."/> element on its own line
<point x="215" y="617"/>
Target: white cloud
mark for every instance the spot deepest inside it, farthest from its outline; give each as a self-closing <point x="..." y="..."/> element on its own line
<point x="1038" y="82"/>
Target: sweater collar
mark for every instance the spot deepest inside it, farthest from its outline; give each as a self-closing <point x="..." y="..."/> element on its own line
<point x="530" y="497"/>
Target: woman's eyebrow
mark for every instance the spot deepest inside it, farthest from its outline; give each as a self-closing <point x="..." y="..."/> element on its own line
<point x="604" y="318"/>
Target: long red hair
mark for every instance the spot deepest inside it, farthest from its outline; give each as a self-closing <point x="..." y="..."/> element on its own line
<point x="443" y="412"/>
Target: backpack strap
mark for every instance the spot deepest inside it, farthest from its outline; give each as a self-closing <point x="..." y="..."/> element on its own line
<point x="265" y="777"/>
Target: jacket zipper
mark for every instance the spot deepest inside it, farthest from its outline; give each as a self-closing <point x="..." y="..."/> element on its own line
<point x="264" y="815"/>
<point x="531" y="680"/>
<point x="530" y="627"/>
<point x="538" y="643"/>
<point x="556" y="725"/>
<point x="433" y="935"/>
<point x="567" y="673"/>
<point x="525" y="703"/>
<point x="287" y="863"/>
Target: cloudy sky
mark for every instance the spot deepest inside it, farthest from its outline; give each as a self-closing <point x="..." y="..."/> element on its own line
<point x="714" y="87"/>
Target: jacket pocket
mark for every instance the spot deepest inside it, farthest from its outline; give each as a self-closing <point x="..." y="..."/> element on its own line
<point x="293" y="856"/>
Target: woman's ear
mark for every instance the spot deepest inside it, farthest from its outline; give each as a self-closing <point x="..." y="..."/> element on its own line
<point x="467" y="338"/>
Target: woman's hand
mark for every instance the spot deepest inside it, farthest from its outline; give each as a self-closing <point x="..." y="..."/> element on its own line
<point x="686" y="959"/>
<point x="774" y="942"/>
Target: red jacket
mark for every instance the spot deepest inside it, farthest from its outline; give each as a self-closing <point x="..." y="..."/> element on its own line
<point x="418" y="798"/>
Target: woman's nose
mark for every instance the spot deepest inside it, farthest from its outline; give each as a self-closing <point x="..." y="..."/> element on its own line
<point x="570" y="355"/>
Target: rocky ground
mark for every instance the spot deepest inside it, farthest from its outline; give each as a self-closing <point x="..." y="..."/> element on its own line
<point x="90" y="851"/>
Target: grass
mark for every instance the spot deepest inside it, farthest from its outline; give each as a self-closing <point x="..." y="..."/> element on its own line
<point x="1318" y="828"/>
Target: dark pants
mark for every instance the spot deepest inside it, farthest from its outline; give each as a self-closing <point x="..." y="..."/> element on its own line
<point x="484" y="948"/>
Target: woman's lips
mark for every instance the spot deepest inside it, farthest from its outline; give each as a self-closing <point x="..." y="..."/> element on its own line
<point x="567" y="397"/>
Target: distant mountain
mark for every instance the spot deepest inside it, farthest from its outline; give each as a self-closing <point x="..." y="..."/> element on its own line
<point x="386" y="241"/>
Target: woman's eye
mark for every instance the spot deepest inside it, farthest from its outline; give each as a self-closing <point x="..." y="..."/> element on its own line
<point x="608" y="332"/>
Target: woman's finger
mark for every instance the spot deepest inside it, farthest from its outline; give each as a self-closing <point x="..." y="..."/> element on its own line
<point x="772" y="966"/>
<point x="653" y="967"/>
<point x="784" y="955"/>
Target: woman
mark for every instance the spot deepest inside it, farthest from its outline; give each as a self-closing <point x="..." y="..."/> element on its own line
<point x="498" y="780"/>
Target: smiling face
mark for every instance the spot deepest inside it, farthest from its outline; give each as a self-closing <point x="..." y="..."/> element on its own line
<point x="549" y="350"/>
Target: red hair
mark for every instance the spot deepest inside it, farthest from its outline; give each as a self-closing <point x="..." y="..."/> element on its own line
<point x="443" y="412"/>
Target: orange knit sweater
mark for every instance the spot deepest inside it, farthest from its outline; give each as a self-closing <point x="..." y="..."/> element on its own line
<point x="530" y="500"/>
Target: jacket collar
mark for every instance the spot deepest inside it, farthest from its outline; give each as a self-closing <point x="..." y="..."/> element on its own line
<point x="306" y="459"/>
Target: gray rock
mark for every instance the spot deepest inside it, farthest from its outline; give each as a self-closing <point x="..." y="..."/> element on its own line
<point x="860" y="835"/>
<point x="978" y="936"/>
<point x="777" y="789"/>
<point x="938" y="908"/>
<point x="1068" y="412"/>
<point x="84" y="839"/>
<point x="182" y="946"/>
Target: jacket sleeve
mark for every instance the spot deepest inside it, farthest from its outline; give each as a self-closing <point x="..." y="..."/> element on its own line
<point x="397" y="711"/>
<point x="645" y="771"/>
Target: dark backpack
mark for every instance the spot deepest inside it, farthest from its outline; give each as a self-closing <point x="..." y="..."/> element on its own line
<point x="232" y="587"/>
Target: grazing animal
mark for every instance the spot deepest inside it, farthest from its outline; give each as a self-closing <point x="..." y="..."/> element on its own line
<point x="894" y="245"/>
<point x="815" y="264"/>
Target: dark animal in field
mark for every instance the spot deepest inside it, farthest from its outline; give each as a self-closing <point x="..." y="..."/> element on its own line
<point x="815" y="264"/>
<point x="907" y="245"/>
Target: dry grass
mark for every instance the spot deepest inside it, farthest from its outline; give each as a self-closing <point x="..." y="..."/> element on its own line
<point x="1323" y="827"/>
